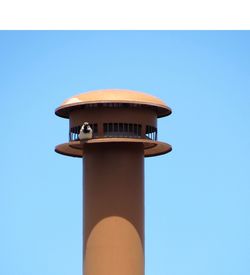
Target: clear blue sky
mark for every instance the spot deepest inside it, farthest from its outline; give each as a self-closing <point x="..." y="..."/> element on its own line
<point x="197" y="197"/>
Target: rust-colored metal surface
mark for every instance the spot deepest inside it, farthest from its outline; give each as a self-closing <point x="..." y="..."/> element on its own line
<point x="113" y="96"/>
<point x="113" y="209"/>
<point x="100" y="115"/>
<point x="123" y="126"/>
<point x="151" y="148"/>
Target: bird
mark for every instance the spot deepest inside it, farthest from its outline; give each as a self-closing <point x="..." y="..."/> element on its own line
<point x="86" y="132"/>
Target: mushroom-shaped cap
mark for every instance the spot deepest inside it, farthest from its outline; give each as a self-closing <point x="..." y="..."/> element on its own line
<point x="113" y="96"/>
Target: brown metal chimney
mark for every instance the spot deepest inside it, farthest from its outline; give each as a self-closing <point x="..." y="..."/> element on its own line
<point x="121" y="129"/>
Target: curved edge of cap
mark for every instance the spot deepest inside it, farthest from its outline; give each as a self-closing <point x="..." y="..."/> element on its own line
<point x="113" y="96"/>
<point x="151" y="148"/>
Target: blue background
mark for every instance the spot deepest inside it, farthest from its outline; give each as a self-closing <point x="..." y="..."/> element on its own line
<point x="197" y="197"/>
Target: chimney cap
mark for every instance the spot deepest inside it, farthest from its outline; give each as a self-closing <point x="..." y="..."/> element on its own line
<point x="113" y="96"/>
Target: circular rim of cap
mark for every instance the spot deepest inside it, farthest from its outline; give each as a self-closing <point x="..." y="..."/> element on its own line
<point x="113" y="96"/>
<point x="151" y="147"/>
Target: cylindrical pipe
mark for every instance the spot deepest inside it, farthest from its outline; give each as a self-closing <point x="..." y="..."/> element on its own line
<point x="113" y="202"/>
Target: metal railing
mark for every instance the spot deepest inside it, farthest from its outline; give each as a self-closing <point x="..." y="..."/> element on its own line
<point x="126" y="130"/>
<point x="151" y="132"/>
<point x="129" y="130"/>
